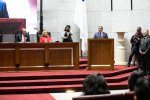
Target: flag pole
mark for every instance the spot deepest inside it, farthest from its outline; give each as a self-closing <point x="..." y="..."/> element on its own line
<point x="80" y="19"/>
<point x="41" y="16"/>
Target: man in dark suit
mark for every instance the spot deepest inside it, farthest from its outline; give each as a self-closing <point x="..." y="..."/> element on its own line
<point x="1" y="36"/>
<point x="100" y="33"/>
<point x="145" y="52"/>
<point x="23" y="36"/>
<point x="3" y="10"/>
<point x="135" y="41"/>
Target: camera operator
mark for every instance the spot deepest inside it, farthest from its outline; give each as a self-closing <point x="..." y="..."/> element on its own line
<point x="135" y="41"/>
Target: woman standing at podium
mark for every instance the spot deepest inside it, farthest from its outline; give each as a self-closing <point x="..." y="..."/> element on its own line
<point x="66" y="35"/>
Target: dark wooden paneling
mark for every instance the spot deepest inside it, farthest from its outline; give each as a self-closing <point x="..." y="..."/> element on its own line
<point x="29" y="57"/>
<point x="7" y="57"/>
<point x="61" y="56"/>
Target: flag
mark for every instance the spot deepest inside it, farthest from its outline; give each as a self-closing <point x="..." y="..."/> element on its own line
<point x="80" y="19"/>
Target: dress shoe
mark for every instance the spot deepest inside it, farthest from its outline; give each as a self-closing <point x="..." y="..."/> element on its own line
<point x="128" y="65"/>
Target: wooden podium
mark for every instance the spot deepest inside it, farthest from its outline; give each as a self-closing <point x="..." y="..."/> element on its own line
<point x="100" y="54"/>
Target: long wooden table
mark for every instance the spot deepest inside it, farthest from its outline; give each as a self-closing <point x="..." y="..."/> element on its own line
<point x="39" y="56"/>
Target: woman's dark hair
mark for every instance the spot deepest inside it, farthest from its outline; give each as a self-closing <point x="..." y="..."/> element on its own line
<point x="66" y="27"/>
<point x="135" y="75"/>
<point x="142" y="89"/>
<point x="95" y="84"/>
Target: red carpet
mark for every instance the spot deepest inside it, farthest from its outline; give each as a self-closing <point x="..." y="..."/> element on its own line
<point x="26" y="97"/>
<point x="59" y="81"/>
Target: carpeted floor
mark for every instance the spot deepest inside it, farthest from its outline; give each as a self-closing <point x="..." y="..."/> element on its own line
<point x="59" y="81"/>
<point x="26" y="97"/>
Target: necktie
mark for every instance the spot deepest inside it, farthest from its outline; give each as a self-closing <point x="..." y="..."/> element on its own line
<point x="145" y="40"/>
<point x="100" y="35"/>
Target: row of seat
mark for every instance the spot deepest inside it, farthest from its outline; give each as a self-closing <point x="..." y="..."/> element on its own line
<point x="37" y="35"/>
<point x="119" y="96"/>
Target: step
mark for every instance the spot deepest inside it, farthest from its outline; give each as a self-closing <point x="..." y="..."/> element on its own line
<point x="69" y="81"/>
<point x="55" y="88"/>
<point x="83" y="66"/>
<point x="60" y="74"/>
<point x="39" y="96"/>
<point x="83" y="61"/>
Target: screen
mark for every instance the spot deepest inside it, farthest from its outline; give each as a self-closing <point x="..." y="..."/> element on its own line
<point x="23" y="9"/>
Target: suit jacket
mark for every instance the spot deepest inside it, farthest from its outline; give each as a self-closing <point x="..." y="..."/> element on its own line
<point x="145" y="45"/>
<point x="19" y="37"/>
<point x="103" y="35"/>
<point x="1" y="37"/>
<point x="3" y="10"/>
<point x="135" y="40"/>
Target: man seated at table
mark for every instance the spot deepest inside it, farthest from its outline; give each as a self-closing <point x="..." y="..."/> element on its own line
<point x="22" y="36"/>
<point x="100" y="33"/>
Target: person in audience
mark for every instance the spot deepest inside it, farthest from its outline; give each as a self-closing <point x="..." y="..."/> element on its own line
<point x="135" y="75"/>
<point x="45" y="38"/>
<point x="23" y="36"/>
<point x="95" y="84"/>
<point x="142" y="89"/>
<point x="3" y="9"/>
<point x="67" y="34"/>
<point x="135" y="41"/>
<point x="100" y="33"/>
<point x="145" y="52"/>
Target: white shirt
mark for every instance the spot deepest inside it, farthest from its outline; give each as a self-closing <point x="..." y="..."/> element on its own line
<point x="23" y="38"/>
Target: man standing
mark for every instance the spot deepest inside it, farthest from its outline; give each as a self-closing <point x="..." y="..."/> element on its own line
<point x="3" y="10"/>
<point x="144" y="51"/>
<point x="23" y="36"/>
<point x="1" y="36"/>
<point x="100" y="33"/>
<point x="135" y="41"/>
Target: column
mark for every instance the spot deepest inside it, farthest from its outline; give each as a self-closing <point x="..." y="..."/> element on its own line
<point x="121" y="50"/>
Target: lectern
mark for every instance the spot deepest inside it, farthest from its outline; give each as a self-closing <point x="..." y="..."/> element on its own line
<point x="100" y="54"/>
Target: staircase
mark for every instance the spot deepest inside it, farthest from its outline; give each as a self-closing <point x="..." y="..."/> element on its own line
<point x="83" y="62"/>
<point x="58" y="81"/>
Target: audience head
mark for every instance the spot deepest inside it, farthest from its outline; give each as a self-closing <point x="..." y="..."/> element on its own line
<point x="135" y="75"/>
<point x="145" y="32"/>
<point x="67" y="28"/>
<point x="139" y="29"/>
<point x="95" y="84"/>
<point x="100" y="28"/>
<point x="142" y="89"/>
<point x="44" y="33"/>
